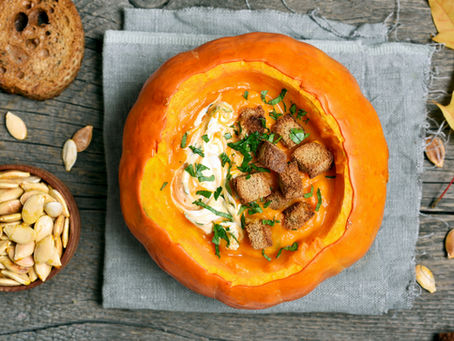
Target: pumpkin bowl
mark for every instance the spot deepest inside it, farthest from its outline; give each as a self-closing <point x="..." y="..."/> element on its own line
<point x="193" y="194"/>
<point x="74" y="221"/>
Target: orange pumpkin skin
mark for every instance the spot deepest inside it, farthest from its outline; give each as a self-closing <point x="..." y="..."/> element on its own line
<point x="339" y="96"/>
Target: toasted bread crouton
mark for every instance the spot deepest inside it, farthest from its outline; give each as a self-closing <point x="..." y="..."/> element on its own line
<point x="297" y="215"/>
<point x="251" y="187"/>
<point x="259" y="234"/>
<point x="283" y="127"/>
<point x="278" y="201"/>
<point x="313" y="158"/>
<point x="251" y="120"/>
<point x="272" y="157"/>
<point x="290" y="181"/>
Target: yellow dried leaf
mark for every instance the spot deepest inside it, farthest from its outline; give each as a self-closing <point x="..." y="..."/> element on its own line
<point x="448" y="112"/>
<point x="435" y="151"/>
<point x="443" y="16"/>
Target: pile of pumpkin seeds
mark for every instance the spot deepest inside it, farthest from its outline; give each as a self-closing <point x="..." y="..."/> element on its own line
<point x="34" y="228"/>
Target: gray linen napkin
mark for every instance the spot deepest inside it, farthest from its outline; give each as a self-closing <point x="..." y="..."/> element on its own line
<point x="393" y="76"/>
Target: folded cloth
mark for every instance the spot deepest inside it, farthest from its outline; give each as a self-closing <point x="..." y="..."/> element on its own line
<point x="393" y="76"/>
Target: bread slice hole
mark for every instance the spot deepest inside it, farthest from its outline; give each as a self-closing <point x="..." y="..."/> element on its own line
<point x="27" y="4"/>
<point x="20" y="75"/>
<point x="21" y="21"/>
<point x="43" y="18"/>
<point x="2" y="70"/>
<point x="32" y="43"/>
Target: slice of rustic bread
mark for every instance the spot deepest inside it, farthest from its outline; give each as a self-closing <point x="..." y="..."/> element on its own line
<point x="41" y="46"/>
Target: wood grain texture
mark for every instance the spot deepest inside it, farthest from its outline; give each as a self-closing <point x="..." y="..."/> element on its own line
<point x="69" y="306"/>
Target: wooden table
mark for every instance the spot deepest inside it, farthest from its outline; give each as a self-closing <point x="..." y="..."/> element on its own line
<point x="69" y="306"/>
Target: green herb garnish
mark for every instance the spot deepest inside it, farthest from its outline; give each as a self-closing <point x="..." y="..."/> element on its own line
<point x="265" y="256"/>
<point x="319" y="200"/>
<point x="279" y="98"/>
<point x="243" y="221"/>
<point x="310" y="194"/>
<point x="330" y="176"/>
<point x="301" y="113"/>
<point x="219" y="233"/>
<point x="246" y="94"/>
<point x="205" y="138"/>
<point x="227" y="136"/>
<point x="263" y="121"/>
<point x="196" y="150"/>
<point x="270" y="222"/>
<point x="293" y="109"/>
<point x="196" y="171"/>
<point x="292" y="247"/>
<point x="164" y="184"/>
<point x="266" y="204"/>
<point x="297" y="135"/>
<point x="224" y="159"/>
<point x="263" y="95"/>
<point x="252" y="208"/>
<point x="211" y="209"/>
<point x="206" y="194"/>
<point x="217" y="193"/>
<point x="275" y="114"/>
<point x="184" y="139"/>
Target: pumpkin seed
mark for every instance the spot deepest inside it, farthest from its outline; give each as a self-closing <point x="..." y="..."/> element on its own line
<point x="2" y="267"/>
<point x="12" y="174"/>
<point x="29" y="194"/>
<point x="21" y="233"/>
<point x="58" y="246"/>
<point x="33" y="209"/>
<point x="82" y="138"/>
<point x="42" y="270"/>
<point x="57" y="196"/>
<point x="449" y="244"/>
<point x="9" y="207"/>
<point x="53" y="209"/>
<point x="3" y="245"/>
<point x="5" y="184"/>
<point x="16" y="127"/>
<point x="11" y="266"/>
<point x="46" y="252"/>
<point x="26" y="262"/>
<point x="9" y="218"/>
<point x="8" y="282"/>
<point x="65" y="234"/>
<point x="32" y="274"/>
<point x="58" y="226"/>
<point x="425" y="278"/>
<point x="10" y="252"/>
<point x="69" y="154"/>
<point x="21" y="278"/>
<point x="23" y="250"/>
<point x="435" y="151"/>
<point x="10" y="194"/>
<point x="43" y="227"/>
<point x="30" y="186"/>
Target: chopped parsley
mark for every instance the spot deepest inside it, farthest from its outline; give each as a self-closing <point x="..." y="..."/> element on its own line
<point x="330" y="176"/>
<point x="270" y="222"/>
<point x="265" y="256"/>
<point x="293" y="109"/>
<point x="301" y="113"/>
<point x="263" y="95"/>
<point x="184" y="139"/>
<point x="275" y="114"/>
<point x="292" y="247"/>
<point x="297" y="135"/>
<point x="252" y="208"/>
<point x="211" y="209"/>
<point x="263" y="121"/>
<point x="259" y="169"/>
<point x="196" y="150"/>
<point x="246" y="94"/>
<point x="205" y="138"/>
<point x="310" y="194"/>
<point x="319" y="200"/>
<point x="196" y="171"/>
<point x="227" y="136"/>
<point x="243" y="221"/>
<point x="163" y="185"/>
<point x="224" y="159"/>
<point x="206" y="194"/>
<point x="227" y="180"/>
<point x="279" y="98"/>
<point x="266" y="204"/>
<point x="219" y="233"/>
<point x="217" y="193"/>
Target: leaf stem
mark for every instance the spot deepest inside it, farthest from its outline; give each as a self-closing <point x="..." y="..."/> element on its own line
<point x="436" y="201"/>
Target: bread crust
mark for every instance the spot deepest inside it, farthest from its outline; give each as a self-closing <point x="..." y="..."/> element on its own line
<point x="41" y="46"/>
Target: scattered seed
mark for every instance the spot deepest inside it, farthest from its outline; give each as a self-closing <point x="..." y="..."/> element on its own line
<point x="10" y="194"/>
<point x="12" y="174"/>
<point x="69" y="154"/>
<point x="30" y="186"/>
<point x="449" y="244"/>
<point x="58" y="226"/>
<point x="9" y="218"/>
<point x="16" y="127"/>
<point x="53" y="209"/>
<point x="425" y="278"/>
<point x="8" y="282"/>
<point x="4" y="184"/>
<point x="27" y="195"/>
<point x="32" y="274"/>
<point x="57" y="196"/>
<point x="42" y="270"/>
<point x="58" y="246"/>
<point x="43" y="227"/>
<point x="11" y="266"/>
<point x="26" y="262"/>
<point x="33" y="209"/>
<point x="10" y="207"/>
<point x="23" y="250"/>
<point x="21" y="234"/>
<point x="82" y="138"/>
<point x="44" y="250"/>
<point x="435" y="151"/>
<point x="22" y="278"/>
<point x="65" y="234"/>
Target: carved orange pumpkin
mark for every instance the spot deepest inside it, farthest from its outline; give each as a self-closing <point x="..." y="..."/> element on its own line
<point x="237" y="70"/>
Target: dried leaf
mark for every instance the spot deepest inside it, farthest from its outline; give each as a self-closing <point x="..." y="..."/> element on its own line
<point x="16" y="127"/>
<point x="82" y="138"/>
<point x="435" y="151"/>
<point x="448" y="112"/>
<point x="443" y="16"/>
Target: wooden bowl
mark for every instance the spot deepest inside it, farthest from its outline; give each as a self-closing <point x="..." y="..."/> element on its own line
<point x="74" y="220"/>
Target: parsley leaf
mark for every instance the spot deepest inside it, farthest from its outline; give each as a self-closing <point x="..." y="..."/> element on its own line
<point x="310" y="194"/>
<point x="246" y="94"/>
<point x="263" y="121"/>
<point x="266" y="204"/>
<point x="293" y="109"/>
<point x="218" y="234"/>
<point x="196" y="172"/>
<point x="196" y="150"/>
<point x="252" y="208"/>
<point x="243" y="221"/>
<point x="279" y="98"/>
<point x="330" y="176"/>
<point x="297" y="135"/>
<point x="224" y="159"/>
<point x="275" y="114"/>
<point x="227" y="136"/>
<point x="163" y="185"/>
<point x="184" y="139"/>
<point x="211" y="209"/>
<point x="301" y="113"/>
<point x="217" y="193"/>
<point x="263" y="95"/>
<point x="205" y="138"/>
<point x="227" y="180"/>
<point x="319" y="200"/>
<point x="264" y="255"/>
<point x="270" y="222"/>
<point x="206" y="194"/>
<point x="292" y="247"/>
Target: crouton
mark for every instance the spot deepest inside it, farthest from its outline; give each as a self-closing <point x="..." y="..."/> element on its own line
<point x="251" y="187"/>
<point x="313" y="158"/>
<point x="283" y="127"/>
<point x="272" y="157"/>
<point x="297" y="215"/>
<point x="290" y="181"/>
<point x="251" y="120"/>
<point x="278" y="201"/>
<point x="259" y="234"/>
